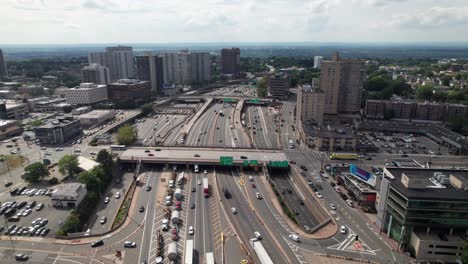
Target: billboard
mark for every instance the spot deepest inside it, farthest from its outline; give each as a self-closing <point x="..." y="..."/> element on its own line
<point x="362" y="175"/>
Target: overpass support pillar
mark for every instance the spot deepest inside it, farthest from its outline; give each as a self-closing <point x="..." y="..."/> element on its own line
<point x="166" y="166"/>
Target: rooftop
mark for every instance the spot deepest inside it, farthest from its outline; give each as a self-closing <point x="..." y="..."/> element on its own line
<point x="86" y="164"/>
<point x="124" y="82"/>
<point x="96" y="113"/>
<point x="69" y="189"/>
<point x="328" y="131"/>
<point x="425" y="183"/>
<point x="6" y="122"/>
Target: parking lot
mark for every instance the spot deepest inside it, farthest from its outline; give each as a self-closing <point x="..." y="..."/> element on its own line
<point x="404" y="144"/>
<point x="30" y="212"/>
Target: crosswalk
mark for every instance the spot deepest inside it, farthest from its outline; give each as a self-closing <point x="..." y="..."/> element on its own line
<point x="350" y="244"/>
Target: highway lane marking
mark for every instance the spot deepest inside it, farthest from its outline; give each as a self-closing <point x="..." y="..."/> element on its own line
<point x="68" y="260"/>
<point x="143" y="236"/>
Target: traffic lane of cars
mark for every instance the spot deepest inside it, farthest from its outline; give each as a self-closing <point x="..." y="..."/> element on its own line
<point x="247" y="222"/>
<point x="110" y="203"/>
<point x="294" y="201"/>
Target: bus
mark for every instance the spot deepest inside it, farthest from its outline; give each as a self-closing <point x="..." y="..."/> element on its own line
<point x="290" y="144"/>
<point x="206" y="188"/>
<point x="209" y="258"/>
<point x="189" y="252"/>
<point x="118" y="147"/>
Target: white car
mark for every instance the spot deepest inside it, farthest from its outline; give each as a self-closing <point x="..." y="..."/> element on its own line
<point x="333" y="206"/>
<point x="191" y="231"/>
<point x="233" y="210"/>
<point x="350" y="203"/>
<point x="103" y="220"/>
<point x="318" y="195"/>
<point x="107" y="200"/>
<point x="251" y="178"/>
<point x="129" y="244"/>
<point x="257" y="235"/>
<point x="199" y="182"/>
<point x="259" y="196"/>
<point x="294" y="237"/>
<point x="58" y="149"/>
<point x="205" y="172"/>
<point x="343" y="230"/>
<point x="117" y="195"/>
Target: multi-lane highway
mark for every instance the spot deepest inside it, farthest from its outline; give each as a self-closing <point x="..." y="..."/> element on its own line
<point x="261" y="128"/>
<point x="253" y="215"/>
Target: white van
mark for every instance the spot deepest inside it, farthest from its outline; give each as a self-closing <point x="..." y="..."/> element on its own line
<point x="257" y="235"/>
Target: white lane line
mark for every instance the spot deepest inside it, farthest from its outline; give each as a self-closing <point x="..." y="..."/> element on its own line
<point x="152" y="227"/>
<point x="143" y="235"/>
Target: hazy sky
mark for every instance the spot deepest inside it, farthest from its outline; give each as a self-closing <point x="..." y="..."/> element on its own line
<point x="168" y="21"/>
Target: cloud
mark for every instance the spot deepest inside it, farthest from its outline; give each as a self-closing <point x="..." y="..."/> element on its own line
<point x="380" y="3"/>
<point x="207" y="20"/>
<point x="434" y="17"/>
<point x="114" y="6"/>
<point x="28" y="5"/>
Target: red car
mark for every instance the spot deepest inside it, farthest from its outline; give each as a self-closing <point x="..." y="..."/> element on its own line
<point x="174" y="234"/>
<point x="253" y="185"/>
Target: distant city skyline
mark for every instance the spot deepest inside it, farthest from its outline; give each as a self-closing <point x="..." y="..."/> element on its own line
<point x="157" y="21"/>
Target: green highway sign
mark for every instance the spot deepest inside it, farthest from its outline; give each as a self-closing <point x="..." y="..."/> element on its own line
<point x="254" y="100"/>
<point x="226" y="160"/>
<point x="278" y="164"/>
<point x="252" y="163"/>
<point x="229" y="100"/>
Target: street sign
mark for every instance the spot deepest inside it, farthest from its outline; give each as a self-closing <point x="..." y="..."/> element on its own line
<point x="254" y="100"/>
<point x="278" y="164"/>
<point x="229" y="100"/>
<point x="226" y="160"/>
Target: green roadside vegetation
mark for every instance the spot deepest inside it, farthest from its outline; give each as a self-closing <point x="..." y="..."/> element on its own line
<point x="126" y="135"/>
<point x="96" y="180"/>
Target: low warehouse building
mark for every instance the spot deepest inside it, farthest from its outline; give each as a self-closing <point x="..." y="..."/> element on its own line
<point x="70" y="195"/>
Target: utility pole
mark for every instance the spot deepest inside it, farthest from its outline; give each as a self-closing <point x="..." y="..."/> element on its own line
<point x="9" y="233"/>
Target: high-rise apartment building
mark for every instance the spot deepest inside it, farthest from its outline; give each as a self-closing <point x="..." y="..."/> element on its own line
<point x="230" y="61"/>
<point x="200" y="63"/>
<point x="3" y="68"/>
<point x="176" y="67"/>
<point x="318" y="62"/>
<point x="184" y="66"/>
<point x="96" y="73"/>
<point x="310" y="103"/>
<point x="150" y="68"/>
<point x="118" y="59"/>
<point x="342" y="81"/>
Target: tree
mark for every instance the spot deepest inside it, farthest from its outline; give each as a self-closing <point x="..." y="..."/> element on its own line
<point x="261" y="88"/>
<point x="69" y="164"/>
<point x="446" y="80"/>
<point x="35" y="172"/>
<point x="425" y="92"/>
<point x="35" y="122"/>
<point x="72" y="224"/>
<point x="105" y="159"/>
<point x="90" y="179"/>
<point x="147" y="109"/>
<point x="126" y="135"/>
<point x="464" y="257"/>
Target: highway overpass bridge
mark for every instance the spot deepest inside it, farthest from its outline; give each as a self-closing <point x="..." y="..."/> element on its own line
<point x="206" y="156"/>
